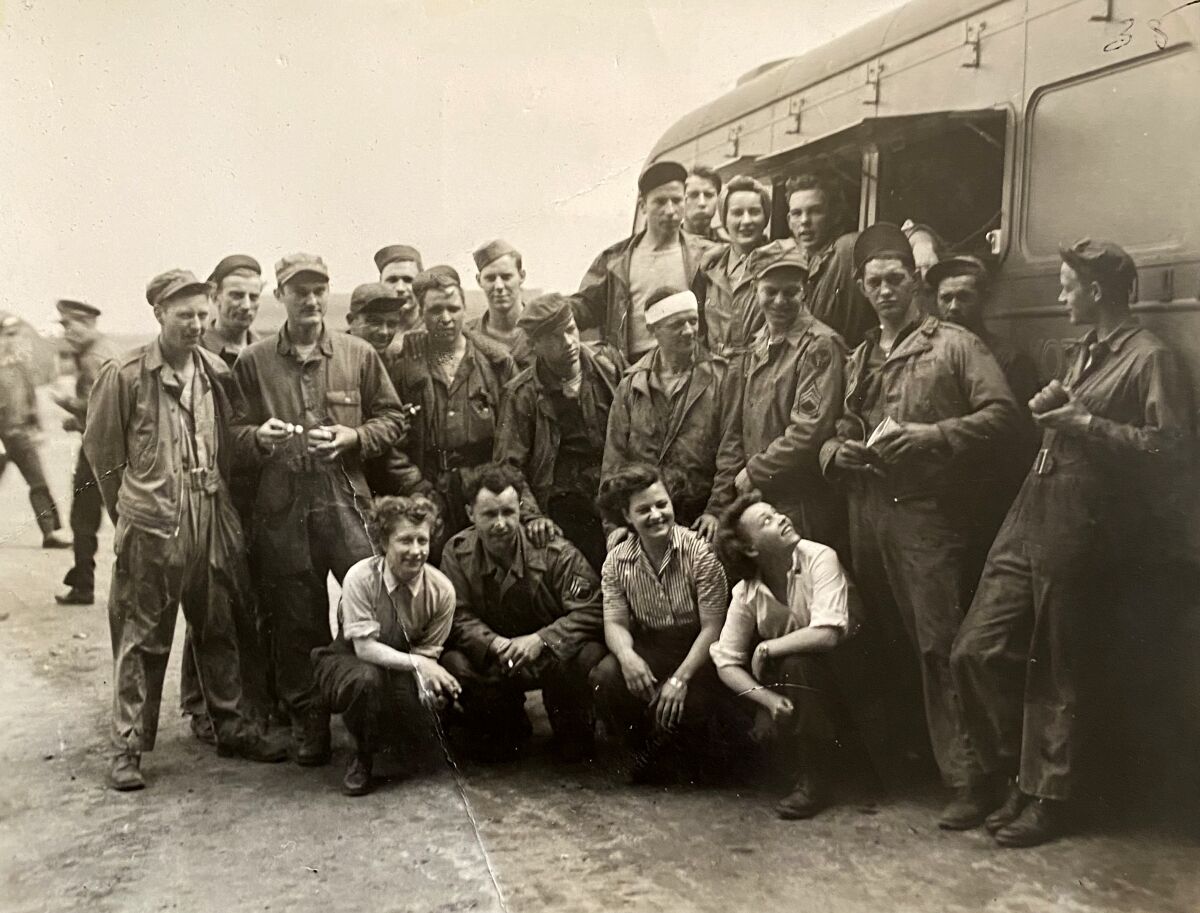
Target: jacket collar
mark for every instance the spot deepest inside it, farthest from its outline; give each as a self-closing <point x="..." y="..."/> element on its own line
<point x="153" y="359"/>
<point x="1114" y="340"/>
<point x="285" y="346"/>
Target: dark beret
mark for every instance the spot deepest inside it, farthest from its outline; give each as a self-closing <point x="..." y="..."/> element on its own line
<point x="961" y="265"/>
<point x="546" y="314"/>
<point x="1104" y="260"/>
<point x="173" y="282"/>
<point x="231" y="264"/>
<point x="661" y="173"/>
<point x="394" y="252"/>
<point x="883" y="240"/>
<point x="68" y="308"/>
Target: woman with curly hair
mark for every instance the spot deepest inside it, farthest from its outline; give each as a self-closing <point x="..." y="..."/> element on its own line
<point x="382" y="673"/>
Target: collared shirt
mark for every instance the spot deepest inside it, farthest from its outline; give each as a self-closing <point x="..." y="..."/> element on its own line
<point x="687" y="588"/>
<point x="423" y="607"/>
<point x="197" y="438"/>
<point x="218" y="345"/>
<point x="818" y="596"/>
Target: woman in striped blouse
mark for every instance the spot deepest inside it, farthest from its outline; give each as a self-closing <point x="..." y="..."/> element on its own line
<point x="665" y="596"/>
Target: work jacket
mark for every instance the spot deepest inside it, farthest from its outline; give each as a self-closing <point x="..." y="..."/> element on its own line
<point x="939" y="374"/>
<point x="604" y="298"/>
<point x="687" y="442"/>
<point x="564" y="609"/>
<point x="132" y="437"/>
<point x="18" y="391"/>
<point x="88" y="362"/>
<point x="731" y="313"/>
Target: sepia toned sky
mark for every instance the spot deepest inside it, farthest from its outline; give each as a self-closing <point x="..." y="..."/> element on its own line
<point x="140" y="135"/>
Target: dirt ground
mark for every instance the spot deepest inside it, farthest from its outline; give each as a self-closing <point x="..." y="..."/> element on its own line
<point x="220" y="835"/>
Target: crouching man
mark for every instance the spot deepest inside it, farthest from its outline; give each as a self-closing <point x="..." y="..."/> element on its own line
<point x="158" y="437"/>
<point x="792" y="606"/>
<point x="382" y="673"/>
<point x="527" y="617"/>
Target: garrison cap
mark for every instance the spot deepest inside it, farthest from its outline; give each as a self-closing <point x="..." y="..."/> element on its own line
<point x="960" y="265"/>
<point x="1101" y="259"/>
<point x="661" y="173"/>
<point x="883" y="240"/>
<point x="68" y="308"/>
<point x="493" y="251"/>
<point x="788" y="260"/>
<point x="546" y="314"/>
<point x="172" y="283"/>
<point x="374" y="298"/>
<point x="232" y="264"/>
<point x="289" y="267"/>
<point x="394" y="252"/>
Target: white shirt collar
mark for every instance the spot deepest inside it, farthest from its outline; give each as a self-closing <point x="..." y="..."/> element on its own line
<point x="392" y="583"/>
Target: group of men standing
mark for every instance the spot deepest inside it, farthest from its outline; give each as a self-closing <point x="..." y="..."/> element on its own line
<point x="240" y="472"/>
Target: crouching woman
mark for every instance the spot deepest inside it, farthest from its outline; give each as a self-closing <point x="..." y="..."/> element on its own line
<point x="665" y="596"/>
<point x="382" y="673"/>
<point x="792" y="605"/>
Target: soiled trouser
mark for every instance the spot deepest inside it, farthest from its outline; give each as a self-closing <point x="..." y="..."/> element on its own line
<point x="1019" y="659"/>
<point x="252" y="664"/>
<point x="912" y="561"/>
<point x="494" y="703"/>
<point x="804" y="679"/>
<point x="199" y="568"/>
<point x="87" y="509"/>
<point x="22" y="451"/>
<point x="380" y="707"/>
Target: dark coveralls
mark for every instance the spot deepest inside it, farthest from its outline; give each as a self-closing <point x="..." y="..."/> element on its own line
<point x="454" y="428"/>
<point x="1079" y="523"/>
<point x="909" y="538"/>
<point x="785" y="398"/>
<point x="557" y="442"/>
<point x="19" y="430"/>
<point x="87" y="506"/>
<point x="680" y="430"/>
<point x="552" y="592"/>
<point x="309" y="516"/>
<point x="178" y="539"/>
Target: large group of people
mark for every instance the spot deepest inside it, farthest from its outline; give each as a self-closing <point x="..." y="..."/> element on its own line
<point x="822" y="421"/>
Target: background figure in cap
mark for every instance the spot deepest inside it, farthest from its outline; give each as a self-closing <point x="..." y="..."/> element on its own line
<point x="456" y="381"/>
<point x="317" y="405"/>
<point x="158" y="437"/>
<point x="612" y="296"/>
<point x="553" y="420"/>
<point x="1092" y="520"/>
<point x="398" y="265"/>
<point x="237" y="285"/>
<point x="701" y="192"/>
<point x="20" y="430"/>
<point x="785" y="396"/>
<point x="926" y="406"/>
<point x="501" y="276"/>
<point x="89" y="351"/>
<point x="731" y="315"/>
<point x="667" y="409"/>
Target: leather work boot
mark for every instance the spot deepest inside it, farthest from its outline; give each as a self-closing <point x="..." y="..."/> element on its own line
<point x="1039" y="821"/>
<point x="1014" y="804"/>
<point x="357" y="781"/>
<point x="805" y="800"/>
<point x="75" y="596"/>
<point x="971" y="804"/>
<point x="202" y="728"/>
<point x="125" y="774"/>
<point x="253" y="746"/>
<point x="313" y="745"/>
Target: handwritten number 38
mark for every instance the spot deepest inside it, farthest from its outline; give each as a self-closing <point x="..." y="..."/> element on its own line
<point x="1126" y="36"/>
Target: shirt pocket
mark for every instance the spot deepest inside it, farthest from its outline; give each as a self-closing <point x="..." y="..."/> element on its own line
<point x="345" y="407"/>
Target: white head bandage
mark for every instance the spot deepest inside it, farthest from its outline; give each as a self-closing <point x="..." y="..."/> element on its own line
<point x="670" y="306"/>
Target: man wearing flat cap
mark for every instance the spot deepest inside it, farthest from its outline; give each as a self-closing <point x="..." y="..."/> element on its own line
<point x="89" y="350"/>
<point x="317" y="405"/>
<point x="667" y="408"/>
<point x="398" y="265"/>
<point x="785" y="398"/>
<point x="159" y="438"/>
<point x="1094" y="509"/>
<point x="501" y="276"/>
<point x="237" y="286"/>
<point x="926" y="406"/>
<point x="553" y="420"/>
<point x="612" y="296"/>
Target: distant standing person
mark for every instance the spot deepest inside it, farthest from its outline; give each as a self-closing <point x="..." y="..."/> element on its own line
<point x="612" y="296"/>
<point x="89" y="351"/>
<point x="701" y="191"/>
<point x="502" y="277"/>
<point x="20" y="430"/>
<point x="237" y="286"/>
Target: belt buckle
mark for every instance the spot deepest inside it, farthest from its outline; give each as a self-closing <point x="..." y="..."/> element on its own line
<point x="1044" y="462"/>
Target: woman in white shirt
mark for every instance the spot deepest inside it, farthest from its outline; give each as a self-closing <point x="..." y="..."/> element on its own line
<point x="792" y="605"/>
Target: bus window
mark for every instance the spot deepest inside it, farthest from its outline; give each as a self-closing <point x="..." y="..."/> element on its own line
<point x="843" y="168"/>
<point x="1112" y="155"/>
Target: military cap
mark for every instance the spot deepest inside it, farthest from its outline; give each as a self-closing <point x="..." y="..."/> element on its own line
<point x="1102" y="260"/>
<point x="374" y="298"/>
<point x="232" y="264"/>
<point x="394" y="252"/>
<point x="883" y="240"/>
<point x="661" y="173"/>
<point x="289" y="267"/>
<point x="961" y="265"/>
<point x="787" y="260"/>
<point x="493" y="251"/>
<point x="172" y="283"/>
<point x="68" y="308"/>
<point x="546" y="314"/>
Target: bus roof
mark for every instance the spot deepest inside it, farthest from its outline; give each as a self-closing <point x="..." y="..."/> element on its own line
<point x="783" y="78"/>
